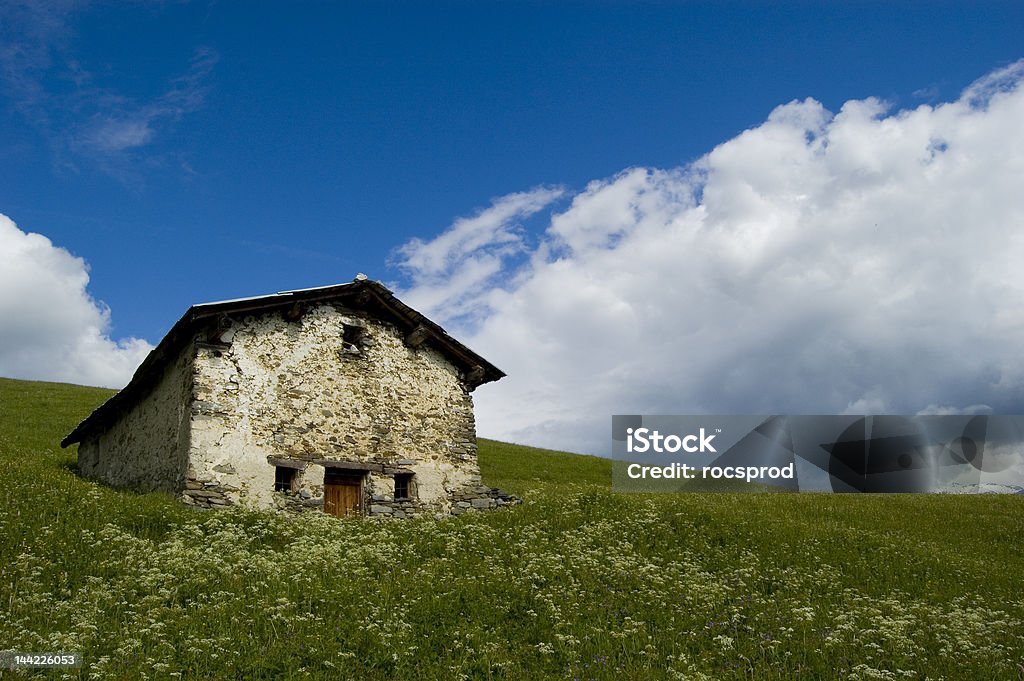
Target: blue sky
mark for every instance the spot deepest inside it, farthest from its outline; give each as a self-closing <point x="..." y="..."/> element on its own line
<point x="194" y="151"/>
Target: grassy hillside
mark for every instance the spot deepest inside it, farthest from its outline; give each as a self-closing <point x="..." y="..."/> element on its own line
<point x="577" y="583"/>
<point x="518" y="468"/>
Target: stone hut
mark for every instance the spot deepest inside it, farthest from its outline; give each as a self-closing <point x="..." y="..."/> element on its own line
<point x="339" y="398"/>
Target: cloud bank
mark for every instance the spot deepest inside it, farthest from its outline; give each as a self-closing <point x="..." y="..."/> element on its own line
<point x="52" y="329"/>
<point x="863" y="261"/>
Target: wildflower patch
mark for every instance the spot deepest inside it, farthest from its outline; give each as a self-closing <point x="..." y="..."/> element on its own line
<point x="577" y="582"/>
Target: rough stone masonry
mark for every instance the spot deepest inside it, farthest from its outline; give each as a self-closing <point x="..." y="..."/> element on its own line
<point x="340" y="399"/>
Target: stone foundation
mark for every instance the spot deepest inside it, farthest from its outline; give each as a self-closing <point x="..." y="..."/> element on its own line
<point x="298" y="502"/>
<point x="208" y="494"/>
<point x="477" y="498"/>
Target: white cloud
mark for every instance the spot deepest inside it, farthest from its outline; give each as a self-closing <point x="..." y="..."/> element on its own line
<point x="53" y="329"/>
<point x="114" y="135"/>
<point x="867" y="260"/>
<point x="454" y="270"/>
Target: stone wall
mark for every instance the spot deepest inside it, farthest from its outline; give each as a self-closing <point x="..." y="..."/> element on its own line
<point x="146" y="448"/>
<point x="332" y="385"/>
<point x="472" y="497"/>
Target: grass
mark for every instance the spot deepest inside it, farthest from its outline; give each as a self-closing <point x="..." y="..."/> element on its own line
<point x="576" y="583"/>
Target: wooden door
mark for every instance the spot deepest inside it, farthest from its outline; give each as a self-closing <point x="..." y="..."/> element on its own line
<point x="343" y="492"/>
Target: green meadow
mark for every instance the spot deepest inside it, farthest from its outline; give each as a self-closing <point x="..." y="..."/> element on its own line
<point x="576" y="583"/>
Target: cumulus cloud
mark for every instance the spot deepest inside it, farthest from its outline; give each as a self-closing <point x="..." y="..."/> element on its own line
<point x="860" y="261"/>
<point x="53" y="329"/>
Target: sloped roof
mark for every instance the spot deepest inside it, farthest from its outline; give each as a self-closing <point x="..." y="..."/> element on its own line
<point x="362" y="294"/>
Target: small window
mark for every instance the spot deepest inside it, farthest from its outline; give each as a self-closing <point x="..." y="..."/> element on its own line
<point x="403" y="486"/>
<point x="352" y="337"/>
<point x="284" y="479"/>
